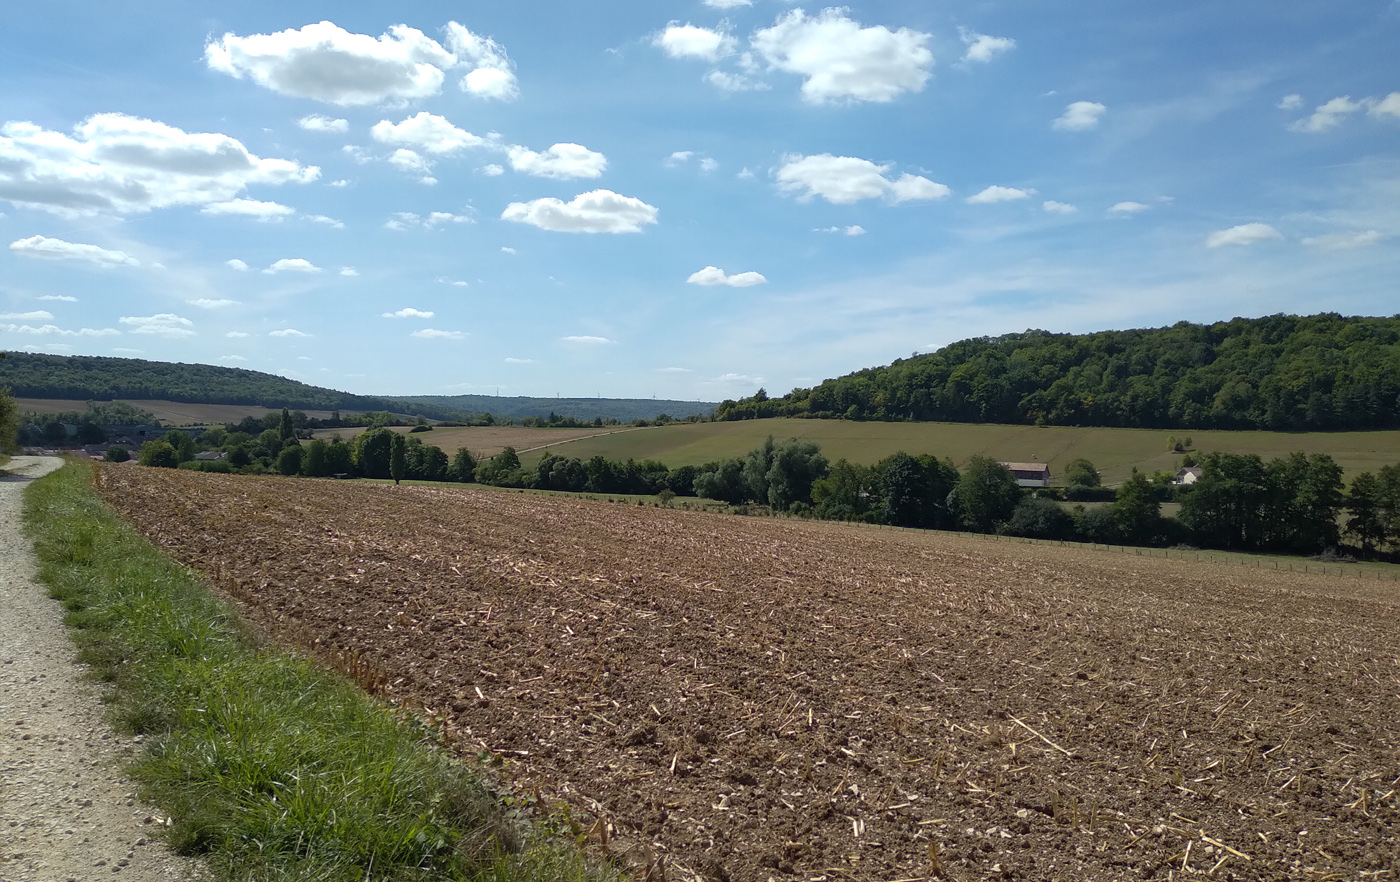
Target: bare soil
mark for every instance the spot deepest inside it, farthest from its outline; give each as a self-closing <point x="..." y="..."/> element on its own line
<point x="752" y="699"/>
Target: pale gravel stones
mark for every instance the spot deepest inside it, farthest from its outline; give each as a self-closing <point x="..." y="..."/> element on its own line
<point x="66" y="810"/>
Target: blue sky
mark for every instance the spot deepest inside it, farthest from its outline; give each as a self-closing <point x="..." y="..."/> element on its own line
<point x="685" y="199"/>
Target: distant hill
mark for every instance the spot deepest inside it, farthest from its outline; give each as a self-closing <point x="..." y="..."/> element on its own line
<point x="95" y="378"/>
<point x="1280" y="372"/>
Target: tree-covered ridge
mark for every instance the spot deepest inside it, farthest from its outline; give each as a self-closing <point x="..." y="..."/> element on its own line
<point x="1279" y="372"/>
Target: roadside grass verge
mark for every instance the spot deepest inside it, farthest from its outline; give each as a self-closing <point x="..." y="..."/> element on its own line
<point x="268" y="767"/>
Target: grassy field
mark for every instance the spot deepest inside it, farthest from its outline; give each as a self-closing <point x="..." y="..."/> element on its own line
<point x="1114" y="451"/>
<point x="178" y="413"/>
<point x="491" y="440"/>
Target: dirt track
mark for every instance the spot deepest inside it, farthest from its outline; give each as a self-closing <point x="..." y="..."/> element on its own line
<point x="761" y="698"/>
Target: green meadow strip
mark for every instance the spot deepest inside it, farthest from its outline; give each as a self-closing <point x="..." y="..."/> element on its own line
<point x="269" y="768"/>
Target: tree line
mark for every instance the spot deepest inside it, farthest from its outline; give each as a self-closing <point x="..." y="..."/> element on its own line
<point x="1282" y="372"/>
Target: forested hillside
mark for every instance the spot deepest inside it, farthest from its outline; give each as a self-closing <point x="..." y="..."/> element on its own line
<point x="93" y="378"/>
<point x="1279" y="373"/>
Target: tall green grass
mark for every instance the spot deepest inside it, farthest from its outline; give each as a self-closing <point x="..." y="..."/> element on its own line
<point x="268" y="767"/>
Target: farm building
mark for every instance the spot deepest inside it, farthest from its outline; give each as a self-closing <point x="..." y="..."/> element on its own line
<point x="1029" y="474"/>
<point x="1187" y="476"/>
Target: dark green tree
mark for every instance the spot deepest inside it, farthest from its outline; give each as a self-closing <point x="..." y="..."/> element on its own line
<point x="463" y="468"/>
<point x="1226" y="505"/>
<point x="1366" y="521"/>
<point x="796" y="465"/>
<point x="986" y="496"/>
<point x="1138" y="511"/>
<point x="756" y="468"/>
<point x="1038" y="518"/>
<point x="398" y="458"/>
<point x="314" y="463"/>
<point x="285" y="428"/>
<point x="847" y="493"/>
<point x="181" y="443"/>
<point x="116" y="453"/>
<point x="289" y="460"/>
<point x="158" y="454"/>
<point x="724" y="481"/>
<point x="1081" y="473"/>
<point x="372" y="452"/>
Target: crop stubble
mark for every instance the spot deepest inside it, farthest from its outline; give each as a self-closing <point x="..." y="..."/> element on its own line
<point x="745" y="698"/>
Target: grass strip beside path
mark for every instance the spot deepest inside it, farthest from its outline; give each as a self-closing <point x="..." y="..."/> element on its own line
<point x="268" y="767"/>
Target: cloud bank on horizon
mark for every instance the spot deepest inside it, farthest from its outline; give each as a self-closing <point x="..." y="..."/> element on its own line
<point x="543" y="186"/>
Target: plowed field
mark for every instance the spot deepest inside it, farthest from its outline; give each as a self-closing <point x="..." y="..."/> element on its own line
<point x="749" y="699"/>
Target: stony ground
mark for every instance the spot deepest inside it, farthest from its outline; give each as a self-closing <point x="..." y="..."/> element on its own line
<point x="745" y="699"/>
<point x="67" y="813"/>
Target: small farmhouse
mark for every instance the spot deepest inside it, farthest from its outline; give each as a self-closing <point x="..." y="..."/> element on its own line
<point x="1029" y="474"/>
<point x="1187" y="476"/>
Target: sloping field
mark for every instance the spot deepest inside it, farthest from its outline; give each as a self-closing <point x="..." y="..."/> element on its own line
<point x="1114" y="451"/>
<point x="178" y="413"/>
<point x="753" y="699"/>
<point x="491" y="440"/>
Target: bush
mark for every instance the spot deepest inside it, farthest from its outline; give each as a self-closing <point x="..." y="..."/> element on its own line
<point x="116" y="453"/>
<point x="159" y="454"/>
<point x="1038" y="518"/>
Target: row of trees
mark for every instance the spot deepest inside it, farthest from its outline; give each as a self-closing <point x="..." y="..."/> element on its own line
<point x="1279" y="372"/>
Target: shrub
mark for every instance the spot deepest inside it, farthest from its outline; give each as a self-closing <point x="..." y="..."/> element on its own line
<point x="117" y="453"/>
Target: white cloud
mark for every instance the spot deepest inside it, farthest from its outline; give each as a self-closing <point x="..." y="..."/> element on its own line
<point x="164" y="324"/>
<point x="319" y="123"/>
<point x="56" y="249"/>
<point x="407" y="160"/>
<point x="598" y="211"/>
<point x="404" y="220"/>
<point x="1079" y="116"/>
<point x="236" y="264"/>
<point x="327" y="63"/>
<point x="733" y="379"/>
<point x="745" y="174"/>
<point x="211" y="303"/>
<point x="1327" y="116"/>
<point x="842" y="60"/>
<point x="727" y="4"/>
<point x="54" y="331"/>
<point x="38" y="315"/>
<point x="520" y="361"/>
<point x="853" y="230"/>
<point x="691" y="41"/>
<point x="1387" y="106"/>
<point x="997" y="193"/>
<point x="1344" y="241"/>
<point x="1244" y="234"/>
<point x="561" y="162"/>
<point x="983" y="48"/>
<point x="435" y="334"/>
<point x="506" y="249"/>
<point x="232" y="358"/>
<point x="349" y="271"/>
<point x="120" y="164"/>
<point x="713" y="275"/>
<point x="294" y="265"/>
<point x="588" y="341"/>
<point x="492" y="74"/>
<point x="1128" y="208"/>
<point x="493" y="170"/>
<point x="674" y="370"/>
<point x="235" y="335"/>
<point x="409" y="312"/>
<point x="340" y="183"/>
<point x="65" y="298"/>
<point x="1290" y="102"/>
<point x="426" y="131"/>
<point x="287" y="332"/>
<point x="456" y="283"/>
<point x="708" y="165"/>
<point x="845" y="179"/>
<point x="734" y="82"/>
<point x="1058" y="207"/>
<point x="263" y="211"/>
<point x="327" y="221"/>
<point x="679" y="157"/>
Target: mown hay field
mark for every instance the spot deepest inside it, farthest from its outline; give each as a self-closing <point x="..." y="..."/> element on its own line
<point x="744" y="699"/>
<point x="484" y="441"/>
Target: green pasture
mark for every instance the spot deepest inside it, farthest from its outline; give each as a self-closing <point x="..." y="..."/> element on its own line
<point x="1116" y="452"/>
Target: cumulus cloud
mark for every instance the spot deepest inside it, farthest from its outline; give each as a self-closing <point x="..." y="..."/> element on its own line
<point x="588" y="341"/>
<point x="561" y="162"/>
<point x="55" y="331"/>
<point x="318" y="123"/>
<point x="1058" y="207"/>
<point x="982" y="48"/>
<point x="845" y="179"/>
<point x="409" y="312"/>
<point x="45" y="248"/>
<point x="853" y="230"/>
<point x="293" y="265"/>
<point x="1079" y="116"/>
<point x="38" y="315"/>
<point x="425" y="131"/>
<point x="1327" y="115"/>
<point x="598" y="211"/>
<point x="349" y="271"/>
<point x="713" y="275"/>
<point x="726" y="81"/>
<point x="263" y="211"/>
<point x="236" y="264"/>
<point x="493" y="170"/>
<point x="121" y="164"/>
<point x="708" y="165"/>
<point x="327" y="63"/>
<point x="1387" y="106"/>
<point x="327" y="221"/>
<point x="691" y="41"/>
<point x="997" y="193"/>
<point x="406" y="220"/>
<point x="163" y="324"/>
<point x="1127" y="208"/>
<point x="287" y="332"/>
<point x="1290" y="102"/>
<point x="506" y="249"/>
<point x="435" y="334"/>
<point x="842" y="61"/>
<point x="212" y="303"/>
<point x="1344" y="241"/>
<point x="1244" y="234"/>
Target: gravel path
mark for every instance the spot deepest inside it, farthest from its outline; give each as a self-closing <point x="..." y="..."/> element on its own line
<point x="67" y="813"/>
